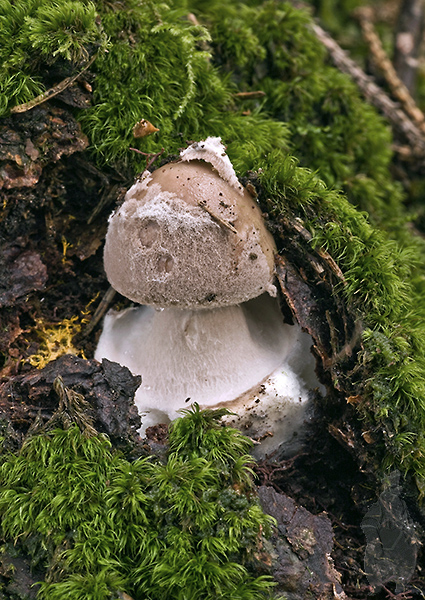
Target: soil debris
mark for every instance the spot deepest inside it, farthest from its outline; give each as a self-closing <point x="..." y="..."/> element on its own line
<point x="29" y="141"/>
<point x="21" y="271"/>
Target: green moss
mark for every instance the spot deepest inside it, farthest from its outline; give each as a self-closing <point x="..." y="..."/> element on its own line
<point x="165" y="74"/>
<point x="182" y="77"/>
<point x="331" y="129"/>
<point x="185" y="529"/>
<point x="385" y="290"/>
<point x="36" y="34"/>
<point x="337" y="14"/>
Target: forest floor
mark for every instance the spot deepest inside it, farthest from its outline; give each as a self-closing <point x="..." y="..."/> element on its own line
<point x="54" y="208"/>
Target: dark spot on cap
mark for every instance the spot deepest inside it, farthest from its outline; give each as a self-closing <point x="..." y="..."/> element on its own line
<point x="165" y="263"/>
<point x="148" y="232"/>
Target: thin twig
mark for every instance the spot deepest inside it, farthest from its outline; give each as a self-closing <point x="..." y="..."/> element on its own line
<point x="373" y="93"/>
<point x="219" y="220"/>
<point x="249" y="95"/>
<point x="100" y="311"/>
<point x="408" y="40"/>
<point x="407" y="595"/>
<point x="153" y="158"/>
<point x="108" y="197"/>
<point x="150" y="158"/>
<point x="384" y="64"/>
<point x="54" y="91"/>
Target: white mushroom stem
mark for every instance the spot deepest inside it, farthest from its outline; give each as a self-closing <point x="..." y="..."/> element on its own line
<point x="232" y="356"/>
<point x="191" y="241"/>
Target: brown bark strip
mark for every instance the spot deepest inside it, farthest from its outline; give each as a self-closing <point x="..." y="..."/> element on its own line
<point x="322" y="253"/>
<point x="373" y="93"/>
<point x="384" y="64"/>
<point x="54" y="91"/>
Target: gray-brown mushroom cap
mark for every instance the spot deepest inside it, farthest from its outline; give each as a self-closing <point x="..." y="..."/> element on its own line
<point x="186" y="237"/>
<point x="189" y="236"/>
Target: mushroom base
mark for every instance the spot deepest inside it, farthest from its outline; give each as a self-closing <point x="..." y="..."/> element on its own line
<point x="242" y="357"/>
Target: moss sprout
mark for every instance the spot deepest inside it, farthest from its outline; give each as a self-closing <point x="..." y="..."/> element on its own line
<point x="186" y="528"/>
<point x="36" y="34"/>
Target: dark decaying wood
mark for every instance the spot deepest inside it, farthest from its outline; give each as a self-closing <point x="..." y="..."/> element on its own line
<point x="108" y="389"/>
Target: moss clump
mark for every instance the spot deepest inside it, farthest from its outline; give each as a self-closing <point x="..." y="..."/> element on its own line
<point x="331" y="129"/>
<point x="163" y="62"/>
<point x="384" y="288"/>
<point x="185" y="529"/>
<point x="37" y="36"/>
<point x="182" y="77"/>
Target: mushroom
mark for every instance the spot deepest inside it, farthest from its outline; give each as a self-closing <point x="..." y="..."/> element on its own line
<point x="190" y="245"/>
